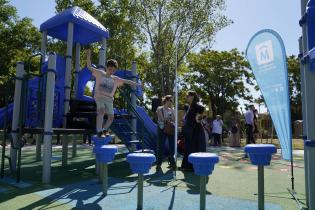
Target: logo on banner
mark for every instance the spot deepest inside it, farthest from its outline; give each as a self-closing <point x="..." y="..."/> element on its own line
<point x="264" y="52"/>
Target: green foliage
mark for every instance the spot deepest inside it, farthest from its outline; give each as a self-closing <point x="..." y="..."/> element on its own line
<point x="119" y="17"/>
<point x="19" y="39"/>
<point x="87" y="91"/>
<point x="173" y="28"/>
<point x="219" y="78"/>
<point x="295" y="87"/>
<point x="86" y="5"/>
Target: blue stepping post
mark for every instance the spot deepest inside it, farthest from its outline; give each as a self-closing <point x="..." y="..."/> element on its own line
<point x="260" y="155"/>
<point x="99" y="142"/>
<point x="203" y="163"/>
<point x="104" y="155"/>
<point x="140" y="163"/>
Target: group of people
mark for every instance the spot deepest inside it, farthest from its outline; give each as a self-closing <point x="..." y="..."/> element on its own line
<point x="192" y="130"/>
<point x="214" y="131"/>
<point x="198" y="130"/>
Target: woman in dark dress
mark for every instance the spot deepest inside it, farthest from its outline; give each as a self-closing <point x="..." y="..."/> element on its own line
<point x="193" y="131"/>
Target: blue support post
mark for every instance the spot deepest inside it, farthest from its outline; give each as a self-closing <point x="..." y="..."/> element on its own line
<point x="98" y="143"/>
<point x="260" y="155"/>
<point x="48" y="123"/>
<point x="140" y="163"/>
<point x="203" y="164"/>
<point x="104" y="155"/>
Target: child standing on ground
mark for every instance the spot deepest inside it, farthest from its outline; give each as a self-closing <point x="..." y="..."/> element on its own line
<point x="105" y="86"/>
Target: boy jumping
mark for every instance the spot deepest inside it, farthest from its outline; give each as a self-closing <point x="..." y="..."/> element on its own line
<point x="105" y="86"/>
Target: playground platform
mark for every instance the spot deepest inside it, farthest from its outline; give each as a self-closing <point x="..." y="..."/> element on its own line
<point x="233" y="184"/>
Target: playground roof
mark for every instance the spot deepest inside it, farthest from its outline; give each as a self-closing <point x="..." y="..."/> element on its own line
<point x="86" y="28"/>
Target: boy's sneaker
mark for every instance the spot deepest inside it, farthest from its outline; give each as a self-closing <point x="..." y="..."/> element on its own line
<point x="106" y="133"/>
<point x="100" y="134"/>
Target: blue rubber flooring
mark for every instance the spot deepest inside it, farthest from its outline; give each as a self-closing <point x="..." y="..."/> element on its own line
<point x="123" y="196"/>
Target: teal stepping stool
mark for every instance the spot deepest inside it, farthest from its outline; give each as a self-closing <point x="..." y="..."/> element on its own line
<point x="140" y="163"/>
<point x="260" y="155"/>
<point x="105" y="154"/>
<point x="203" y="163"/>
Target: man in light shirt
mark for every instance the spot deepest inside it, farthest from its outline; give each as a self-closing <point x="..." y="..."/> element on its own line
<point x="217" y="130"/>
<point x="249" y="123"/>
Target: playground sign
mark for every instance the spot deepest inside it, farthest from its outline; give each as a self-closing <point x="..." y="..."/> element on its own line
<point x="266" y="55"/>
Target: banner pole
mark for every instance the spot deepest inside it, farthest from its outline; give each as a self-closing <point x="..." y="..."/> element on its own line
<point x="292" y="175"/>
<point x="176" y="112"/>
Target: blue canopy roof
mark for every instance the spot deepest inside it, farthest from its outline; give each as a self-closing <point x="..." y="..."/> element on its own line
<point x="86" y="28"/>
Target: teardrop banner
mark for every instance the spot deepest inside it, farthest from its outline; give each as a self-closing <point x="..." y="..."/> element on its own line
<point x="266" y="55"/>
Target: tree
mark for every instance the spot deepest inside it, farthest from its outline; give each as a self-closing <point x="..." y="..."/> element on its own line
<point x="120" y="19"/>
<point x="259" y="101"/>
<point x="295" y="87"/>
<point x="19" y="39"/>
<point x="87" y="5"/>
<point x="219" y="78"/>
<point x="175" y="27"/>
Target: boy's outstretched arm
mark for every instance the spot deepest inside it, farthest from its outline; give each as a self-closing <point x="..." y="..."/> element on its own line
<point x="131" y="83"/>
<point x="88" y="60"/>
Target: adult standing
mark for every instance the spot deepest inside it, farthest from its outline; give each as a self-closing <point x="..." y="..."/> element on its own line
<point x="166" y="119"/>
<point x="207" y="128"/>
<point x="217" y="130"/>
<point x="193" y="131"/>
<point x="255" y="127"/>
<point x="249" y="123"/>
<point x="234" y="138"/>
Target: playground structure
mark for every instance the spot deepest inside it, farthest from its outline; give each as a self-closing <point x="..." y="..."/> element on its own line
<point x="36" y="96"/>
<point x="307" y="68"/>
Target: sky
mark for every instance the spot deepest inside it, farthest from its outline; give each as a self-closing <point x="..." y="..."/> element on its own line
<point x="248" y="16"/>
